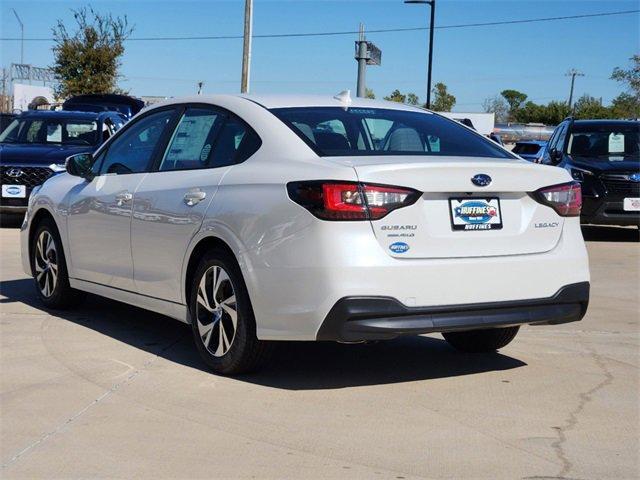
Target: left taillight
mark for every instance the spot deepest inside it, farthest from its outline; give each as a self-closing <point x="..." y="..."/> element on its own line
<point x="565" y="199"/>
<point x="334" y="200"/>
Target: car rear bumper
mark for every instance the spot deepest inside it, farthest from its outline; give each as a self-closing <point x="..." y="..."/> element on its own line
<point x="356" y="319"/>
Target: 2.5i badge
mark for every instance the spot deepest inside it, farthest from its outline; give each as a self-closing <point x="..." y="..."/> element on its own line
<point x="475" y="213"/>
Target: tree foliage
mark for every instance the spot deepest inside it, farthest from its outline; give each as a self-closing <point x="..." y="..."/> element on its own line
<point x="515" y="99"/>
<point x="88" y="59"/>
<point x="630" y="77"/>
<point x="443" y="101"/>
<point x="369" y="93"/>
<point x="397" y="96"/>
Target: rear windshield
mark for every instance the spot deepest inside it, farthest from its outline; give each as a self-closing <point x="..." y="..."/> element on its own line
<point x="335" y="131"/>
<point x="605" y="141"/>
<point x="60" y="131"/>
<point x="526" y="148"/>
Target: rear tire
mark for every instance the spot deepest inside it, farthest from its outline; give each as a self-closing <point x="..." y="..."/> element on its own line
<point x="222" y="320"/>
<point x="49" y="268"/>
<point x="476" y="341"/>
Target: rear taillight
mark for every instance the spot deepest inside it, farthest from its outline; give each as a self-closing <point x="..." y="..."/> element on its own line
<point x="331" y="200"/>
<point x="565" y="199"/>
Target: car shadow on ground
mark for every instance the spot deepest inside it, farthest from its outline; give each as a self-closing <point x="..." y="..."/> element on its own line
<point x="601" y="233"/>
<point x="294" y="366"/>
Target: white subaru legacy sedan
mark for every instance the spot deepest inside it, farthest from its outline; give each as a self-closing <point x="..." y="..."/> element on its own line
<point x="262" y="218"/>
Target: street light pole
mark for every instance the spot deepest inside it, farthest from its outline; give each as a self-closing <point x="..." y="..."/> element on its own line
<point x="21" y="35"/>
<point x="246" y="48"/>
<point x="432" y="3"/>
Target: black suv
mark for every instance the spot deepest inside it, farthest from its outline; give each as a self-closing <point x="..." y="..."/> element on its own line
<point x="36" y="144"/>
<point x="604" y="156"/>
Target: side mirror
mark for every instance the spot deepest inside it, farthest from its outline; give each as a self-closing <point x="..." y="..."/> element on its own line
<point x="555" y="155"/>
<point x="79" y="165"/>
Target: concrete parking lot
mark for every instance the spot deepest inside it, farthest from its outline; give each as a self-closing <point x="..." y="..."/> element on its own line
<point x="108" y="390"/>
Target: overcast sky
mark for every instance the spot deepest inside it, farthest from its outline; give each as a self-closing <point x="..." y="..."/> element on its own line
<point x="474" y="62"/>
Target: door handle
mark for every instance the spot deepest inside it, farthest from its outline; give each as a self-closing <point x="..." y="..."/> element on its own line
<point x="122" y="198"/>
<point x="195" y="197"/>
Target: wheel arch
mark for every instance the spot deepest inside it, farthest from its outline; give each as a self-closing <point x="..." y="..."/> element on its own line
<point x="199" y="249"/>
<point x="38" y="217"/>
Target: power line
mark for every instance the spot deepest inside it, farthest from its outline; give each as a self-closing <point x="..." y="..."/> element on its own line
<point x="353" y="32"/>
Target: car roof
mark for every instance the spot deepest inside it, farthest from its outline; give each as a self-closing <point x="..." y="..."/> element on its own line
<point x="606" y="122"/>
<point x="270" y="101"/>
<point x="62" y="114"/>
<point x="532" y="142"/>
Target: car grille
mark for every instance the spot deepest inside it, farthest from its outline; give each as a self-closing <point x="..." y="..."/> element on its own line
<point x="31" y="176"/>
<point x="620" y="184"/>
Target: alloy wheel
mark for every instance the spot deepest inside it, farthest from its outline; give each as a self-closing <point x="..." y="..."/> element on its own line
<point x="216" y="311"/>
<point x="46" y="263"/>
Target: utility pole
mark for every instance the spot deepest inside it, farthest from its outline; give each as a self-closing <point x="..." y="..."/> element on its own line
<point x="361" y="56"/>
<point x="246" y="48"/>
<point x="21" y="35"/>
<point x="573" y="73"/>
<point x="200" y="84"/>
<point x="432" y="4"/>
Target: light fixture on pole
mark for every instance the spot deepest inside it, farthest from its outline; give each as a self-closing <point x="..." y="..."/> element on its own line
<point x="21" y="35"/>
<point x="432" y="3"/>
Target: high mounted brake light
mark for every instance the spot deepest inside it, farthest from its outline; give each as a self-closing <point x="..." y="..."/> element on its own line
<point x="335" y="200"/>
<point x="565" y="199"/>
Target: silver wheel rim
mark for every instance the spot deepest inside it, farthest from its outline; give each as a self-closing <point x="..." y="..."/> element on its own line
<point x="46" y="264"/>
<point x="216" y="311"/>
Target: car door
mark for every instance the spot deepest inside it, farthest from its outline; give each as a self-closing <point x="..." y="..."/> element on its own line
<point x="171" y="201"/>
<point x="99" y="214"/>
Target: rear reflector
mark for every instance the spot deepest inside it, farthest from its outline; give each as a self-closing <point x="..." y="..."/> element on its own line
<point x="331" y="200"/>
<point x="565" y="199"/>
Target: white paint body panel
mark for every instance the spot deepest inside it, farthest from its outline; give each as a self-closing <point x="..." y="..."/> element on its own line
<point x="296" y="267"/>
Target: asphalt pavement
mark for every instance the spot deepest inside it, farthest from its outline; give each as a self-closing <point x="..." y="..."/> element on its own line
<point x="111" y="391"/>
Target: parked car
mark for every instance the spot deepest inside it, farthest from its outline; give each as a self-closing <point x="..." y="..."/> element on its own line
<point x="263" y="218"/>
<point x="35" y="145"/>
<point x="604" y="156"/>
<point x="532" y="150"/>
<point x="124" y="104"/>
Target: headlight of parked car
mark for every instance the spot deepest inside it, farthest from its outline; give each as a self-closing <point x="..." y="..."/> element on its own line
<point x="579" y="174"/>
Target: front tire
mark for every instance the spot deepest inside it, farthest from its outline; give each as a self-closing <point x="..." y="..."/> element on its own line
<point x="477" y="341"/>
<point x="49" y="268"/>
<point x="222" y="319"/>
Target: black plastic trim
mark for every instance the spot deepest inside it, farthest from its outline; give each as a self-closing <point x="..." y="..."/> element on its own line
<point x="356" y="319"/>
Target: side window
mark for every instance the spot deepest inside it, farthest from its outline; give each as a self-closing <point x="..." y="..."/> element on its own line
<point x="562" y="135"/>
<point x="132" y="151"/>
<point x="235" y="143"/>
<point x="192" y="141"/>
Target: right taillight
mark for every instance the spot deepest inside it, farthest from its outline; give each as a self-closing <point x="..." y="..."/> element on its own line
<point x="335" y="200"/>
<point x="565" y="199"/>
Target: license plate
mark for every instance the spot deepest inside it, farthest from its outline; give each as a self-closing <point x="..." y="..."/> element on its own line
<point x="475" y="213"/>
<point x="631" y="204"/>
<point x="14" y="191"/>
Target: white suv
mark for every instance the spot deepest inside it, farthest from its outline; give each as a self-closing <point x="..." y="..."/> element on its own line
<point x="260" y="218"/>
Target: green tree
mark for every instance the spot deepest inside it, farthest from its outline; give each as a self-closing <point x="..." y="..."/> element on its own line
<point x="498" y="106"/>
<point x="412" y="99"/>
<point x="88" y="60"/>
<point x="443" y="101"/>
<point x="625" y="105"/>
<point x="630" y="77"/>
<point x="590" y="107"/>
<point x="396" y="96"/>
<point x="515" y="99"/>
<point x="369" y="93"/>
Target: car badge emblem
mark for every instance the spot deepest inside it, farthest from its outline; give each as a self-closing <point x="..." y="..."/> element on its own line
<point x="634" y="177"/>
<point x="481" y="180"/>
<point x="15" y="173"/>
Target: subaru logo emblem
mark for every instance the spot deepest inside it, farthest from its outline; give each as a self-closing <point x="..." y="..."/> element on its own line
<point x="634" y="177"/>
<point x="481" y="180"/>
<point x="15" y="173"/>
